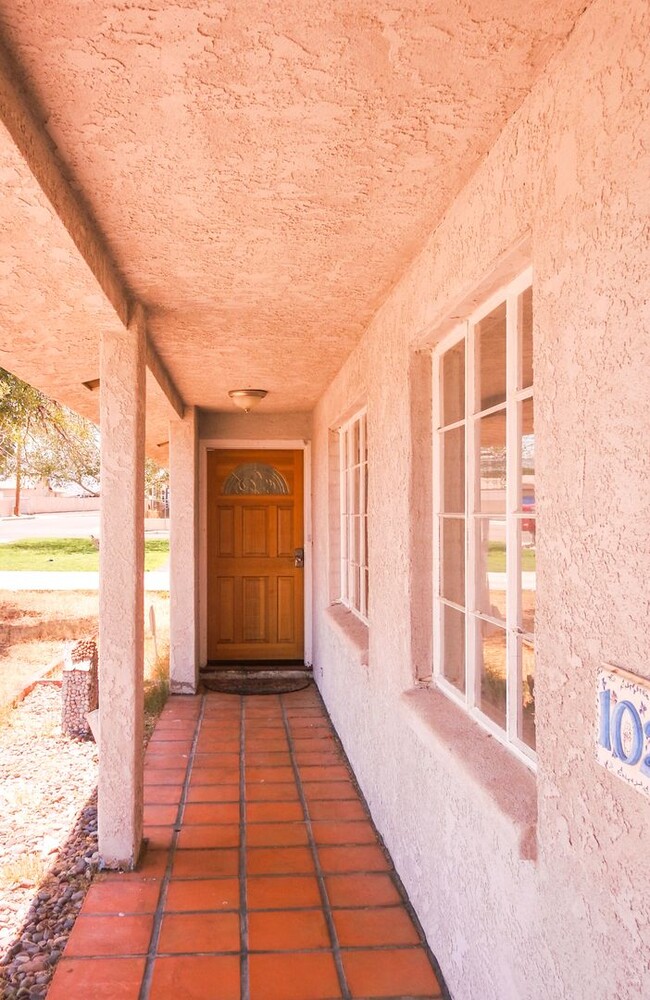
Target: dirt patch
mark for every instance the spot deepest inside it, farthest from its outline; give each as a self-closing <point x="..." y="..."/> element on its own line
<point x="36" y="626"/>
<point x="27" y="606"/>
<point x="12" y="613"/>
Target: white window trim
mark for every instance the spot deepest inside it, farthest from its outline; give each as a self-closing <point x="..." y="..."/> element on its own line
<point x="360" y="417"/>
<point x="469" y="700"/>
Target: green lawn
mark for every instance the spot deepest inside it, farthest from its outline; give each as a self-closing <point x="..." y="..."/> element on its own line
<point x="75" y="554"/>
<point x="69" y="554"/>
<point x="497" y="558"/>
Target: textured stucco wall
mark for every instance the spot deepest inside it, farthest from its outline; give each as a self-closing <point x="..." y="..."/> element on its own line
<point x="183" y="549"/>
<point x="121" y="594"/>
<point x="57" y="273"/>
<point x="261" y="426"/>
<point x="568" y="185"/>
<point x="288" y="149"/>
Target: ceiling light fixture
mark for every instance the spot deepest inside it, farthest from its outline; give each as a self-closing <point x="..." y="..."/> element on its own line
<point x="247" y="399"/>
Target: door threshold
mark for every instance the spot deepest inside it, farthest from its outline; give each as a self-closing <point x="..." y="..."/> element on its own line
<point x="220" y="666"/>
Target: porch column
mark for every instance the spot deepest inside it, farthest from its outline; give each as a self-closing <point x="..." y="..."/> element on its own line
<point x="183" y="561"/>
<point x="121" y="593"/>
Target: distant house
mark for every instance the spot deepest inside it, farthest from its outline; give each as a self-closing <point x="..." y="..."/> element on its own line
<point x="40" y="498"/>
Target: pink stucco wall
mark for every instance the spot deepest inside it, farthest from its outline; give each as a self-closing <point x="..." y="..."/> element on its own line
<point x="517" y="908"/>
<point x="260" y="425"/>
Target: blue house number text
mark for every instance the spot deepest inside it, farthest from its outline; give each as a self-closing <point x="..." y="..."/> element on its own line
<point x="612" y="721"/>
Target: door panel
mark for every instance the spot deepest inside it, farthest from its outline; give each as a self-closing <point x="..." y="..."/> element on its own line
<point x="226" y="531"/>
<point x="286" y="609"/>
<point x="255" y="531"/>
<point x="226" y="595"/>
<point x="286" y="544"/>
<point x="255" y="609"/>
<point x="255" y="524"/>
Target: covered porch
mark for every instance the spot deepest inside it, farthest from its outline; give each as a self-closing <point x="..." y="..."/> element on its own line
<point x="150" y="276"/>
<point x="263" y="877"/>
<point x="422" y="231"/>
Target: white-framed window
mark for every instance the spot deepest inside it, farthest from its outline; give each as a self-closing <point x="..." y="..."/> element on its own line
<point x="353" y="456"/>
<point x="485" y="514"/>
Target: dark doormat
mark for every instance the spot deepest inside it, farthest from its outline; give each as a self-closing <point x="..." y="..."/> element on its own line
<point x="260" y="682"/>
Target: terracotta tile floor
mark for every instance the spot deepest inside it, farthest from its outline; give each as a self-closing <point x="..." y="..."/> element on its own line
<point x="263" y="876"/>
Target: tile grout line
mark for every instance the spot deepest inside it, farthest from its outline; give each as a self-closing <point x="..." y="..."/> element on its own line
<point x="405" y="901"/>
<point x="327" y="911"/>
<point x="162" y="898"/>
<point x="406" y="904"/>
<point x="243" y="896"/>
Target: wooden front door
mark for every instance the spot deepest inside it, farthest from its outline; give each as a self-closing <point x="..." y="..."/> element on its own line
<point x="255" y="538"/>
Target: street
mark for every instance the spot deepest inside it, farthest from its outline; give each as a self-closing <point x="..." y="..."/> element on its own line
<point x="78" y="524"/>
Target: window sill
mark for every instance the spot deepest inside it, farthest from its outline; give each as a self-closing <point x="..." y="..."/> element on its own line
<point x="351" y="629"/>
<point x="507" y="788"/>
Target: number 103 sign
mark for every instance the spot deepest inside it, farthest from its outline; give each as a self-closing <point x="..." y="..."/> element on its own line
<point x="623" y="740"/>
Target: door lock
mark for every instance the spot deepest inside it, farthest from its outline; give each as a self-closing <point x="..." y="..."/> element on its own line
<point x="299" y="558"/>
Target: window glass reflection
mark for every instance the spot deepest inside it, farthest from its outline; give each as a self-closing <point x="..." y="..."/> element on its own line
<point x="492" y="466"/>
<point x="453" y="471"/>
<point x="491" y="358"/>
<point x="526" y="338"/>
<point x="453" y="384"/>
<point x="491" y="567"/>
<point x="527" y="660"/>
<point x="527" y="456"/>
<point x="453" y="654"/>
<point x="491" y="650"/>
<point x="528" y="574"/>
<point x="452" y="531"/>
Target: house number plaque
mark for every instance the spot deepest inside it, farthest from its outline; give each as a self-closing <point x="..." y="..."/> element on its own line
<point x="623" y="739"/>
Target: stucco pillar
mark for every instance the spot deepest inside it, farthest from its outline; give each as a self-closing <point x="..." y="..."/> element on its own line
<point x="183" y="562"/>
<point x="121" y="593"/>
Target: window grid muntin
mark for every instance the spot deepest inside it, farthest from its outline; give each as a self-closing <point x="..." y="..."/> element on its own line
<point x="513" y="517"/>
<point x="354" y="516"/>
<point x="440" y="602"/>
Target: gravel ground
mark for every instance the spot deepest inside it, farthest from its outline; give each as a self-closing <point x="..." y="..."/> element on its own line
<point x="48" y="840"/>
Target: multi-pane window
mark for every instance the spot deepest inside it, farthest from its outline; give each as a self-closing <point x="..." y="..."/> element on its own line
<point x="354" y="514"/>
<point x="486" y="517"/>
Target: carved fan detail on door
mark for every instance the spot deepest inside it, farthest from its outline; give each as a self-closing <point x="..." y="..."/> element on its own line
<point x="255" y="479"/>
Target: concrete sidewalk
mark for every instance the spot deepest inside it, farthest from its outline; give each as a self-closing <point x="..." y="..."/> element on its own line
<point x="53" y="580"/>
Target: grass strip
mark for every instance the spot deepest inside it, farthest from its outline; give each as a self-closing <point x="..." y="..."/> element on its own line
<point x="69" y="555"/>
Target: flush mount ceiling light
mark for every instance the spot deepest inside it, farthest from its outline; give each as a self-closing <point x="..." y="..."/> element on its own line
<point x="247" y="399"/>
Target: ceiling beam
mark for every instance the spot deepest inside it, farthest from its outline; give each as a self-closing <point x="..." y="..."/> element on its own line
<point x="20" y="115"/>
<point x="162" y="377"/>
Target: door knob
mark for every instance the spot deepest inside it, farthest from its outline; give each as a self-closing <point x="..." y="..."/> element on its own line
<point x="299" y="558"/>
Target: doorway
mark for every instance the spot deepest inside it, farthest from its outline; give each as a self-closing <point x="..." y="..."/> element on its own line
<point x="255" y="556"/>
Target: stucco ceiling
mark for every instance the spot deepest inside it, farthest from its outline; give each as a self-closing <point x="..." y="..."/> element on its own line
<point x="262" y="172"/>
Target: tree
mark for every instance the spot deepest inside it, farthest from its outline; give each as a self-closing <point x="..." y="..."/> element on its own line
<point x="156" y="477"/>
<point x="41" y="439"/>
<point x="156" y="487"/>
<point x="69" y="453"/>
